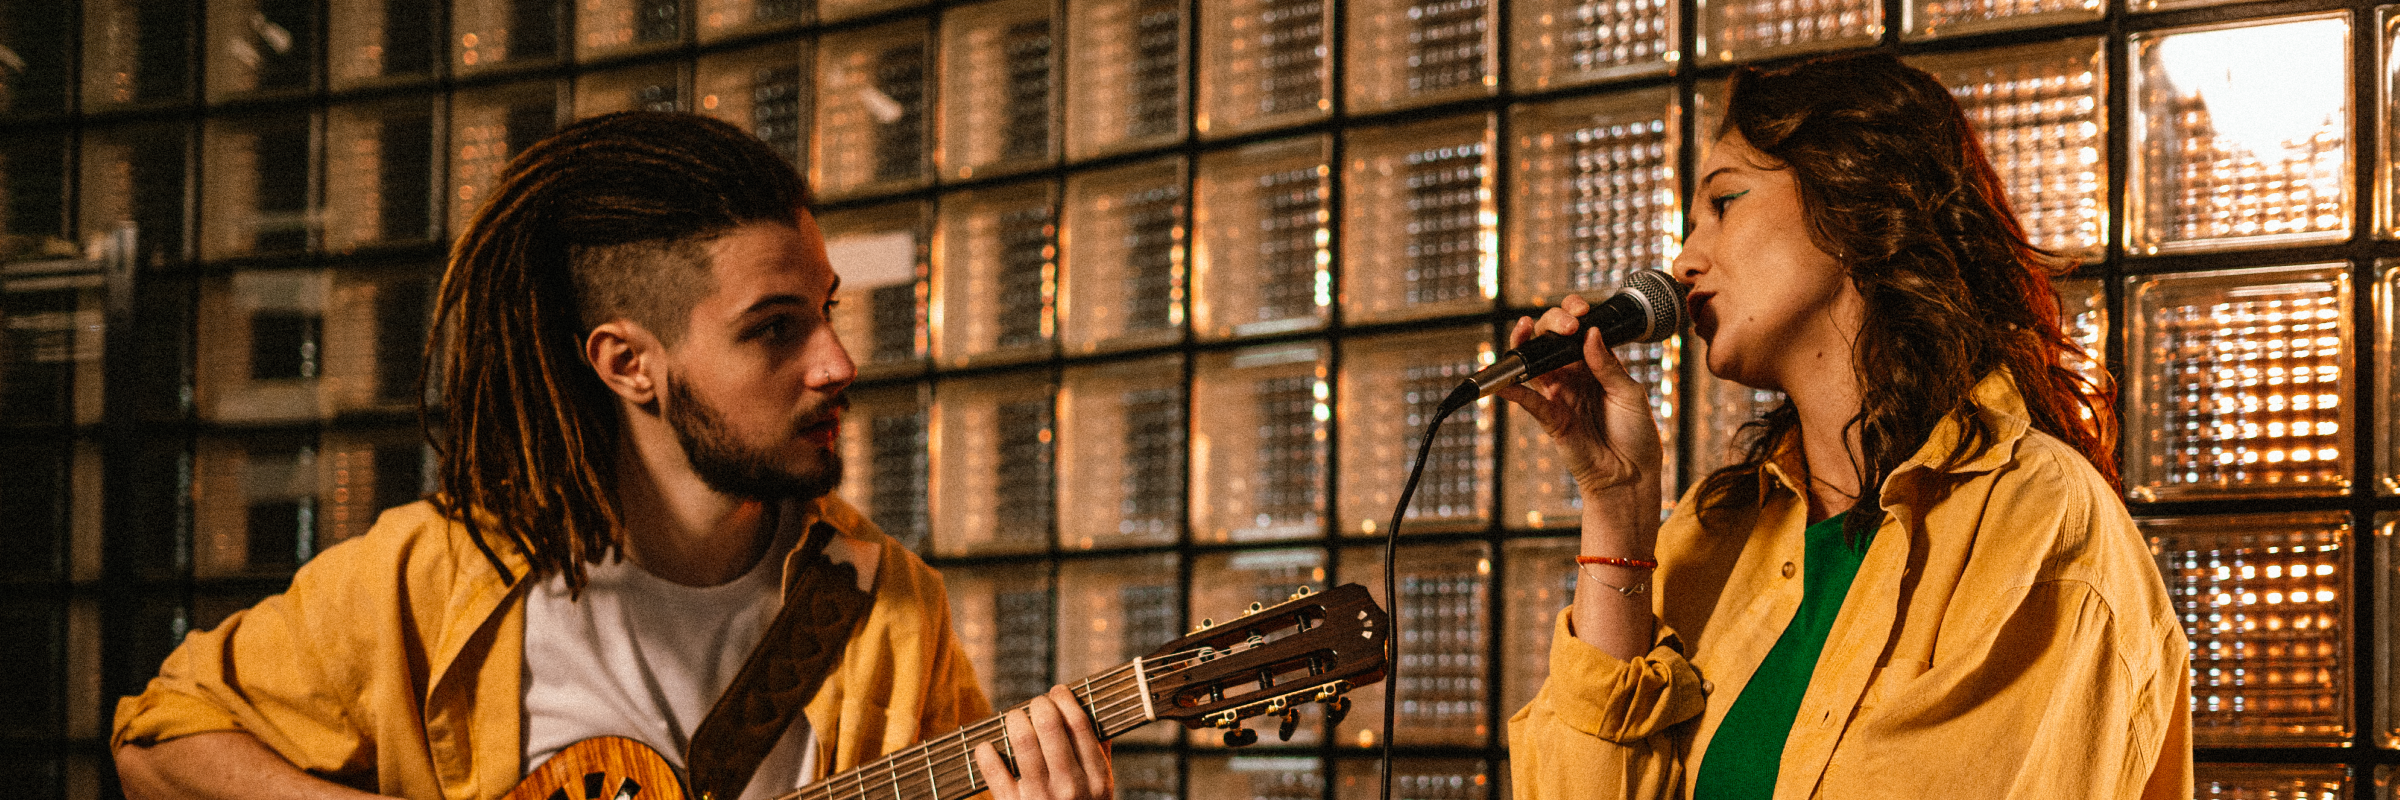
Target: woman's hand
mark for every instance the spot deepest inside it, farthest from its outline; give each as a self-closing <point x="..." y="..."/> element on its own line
<point x="1597" y="415"/>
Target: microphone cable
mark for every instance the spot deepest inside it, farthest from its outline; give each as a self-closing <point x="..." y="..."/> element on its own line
<point x="1466" y="394"/>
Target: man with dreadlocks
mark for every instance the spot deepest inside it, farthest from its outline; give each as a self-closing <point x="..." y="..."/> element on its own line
<point x="644" y="401"/>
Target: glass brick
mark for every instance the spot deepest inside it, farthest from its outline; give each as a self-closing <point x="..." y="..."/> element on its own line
<point x="1125" y="457"/>
<point x="2083" y="317"/>
<point x="2265" y="600"/>
<point x="871" y="132"/>
<point x="1420" y="221"/>
<point x="133" y="180"/>
<point x="53" y="321"/>
<point x="1412" y="779"/>
<point x="1723" y="407"/>
<point x="1391" y="387"/>
<point x="84" y="702"/>
<point x="37" y="80"/>
<point x="2387" y="174"/>
<point x="2240" y="383"/>
<point x="135" y="53"/>
<point x="992" y="609"/>
<point x="881" y="254"/>
<point x="887" y="456"/>
<point x="1541" y="583"/>
<point x="1928" y="19"/>
<point x="1595" y="194"/>
<point x="1126" y="67"/>
<point x="488" y="127"/>
<point x="995" y="279"/>
<point x="34" y="692"/>
<point x="723" y="19"/>
<point x="1413" y="52"/>
<point x="1259" y="443"/>
<point x="265" y="504"/>
<point x="1263" y="63"/>
<point x="1147" y="776"/>
<point x="996" y="438"/>
<point x="37" y="470"/>
<point x="763" y="90"/>
<point x="2270" y="781"/>
<point x="838" y="10"/>
<point x="379" y="176"/>
<point x="1223" y="586"/>
<point x="2042" y="114"/>
<point x="999" y="76"/>
<point x="654" y="87"/>
<point x="1541" y="492"/>
<point x="373" y="41"/>
<point x="2387" y="632"/>
<point x="296" y="346"/>
<point x="1256" y="777"/>
<point x="2241" y="136"/>
<point x="260" y="47"/>
<point x="1264" y="260"/>
<point x="489" y="34"/>
<point x="1113" y="611"/>
<point x="1749" y="30"/>
<point x="1560" y="43"/>
<point x="605" y="28"/>
<point x="1445" y="622"/>
<point x="259" y="185"/>
<point x="1125" y="246"/>
<point x="2387" y="354"/>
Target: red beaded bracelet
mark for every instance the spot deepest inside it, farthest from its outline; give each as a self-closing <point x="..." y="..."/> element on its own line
<point x="1610" y="561"/>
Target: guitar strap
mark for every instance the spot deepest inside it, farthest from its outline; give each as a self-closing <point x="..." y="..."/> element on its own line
<point x="801" y="647"/>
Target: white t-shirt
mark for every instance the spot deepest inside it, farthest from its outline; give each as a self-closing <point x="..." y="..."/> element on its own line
<point x="646" y="658"/>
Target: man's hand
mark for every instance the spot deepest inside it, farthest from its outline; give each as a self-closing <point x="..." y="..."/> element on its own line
<point x="1059" y="756"/>
<point x="225" y="764"/>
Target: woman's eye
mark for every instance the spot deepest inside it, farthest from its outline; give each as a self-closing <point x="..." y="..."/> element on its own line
<point x="1717" y="203"/>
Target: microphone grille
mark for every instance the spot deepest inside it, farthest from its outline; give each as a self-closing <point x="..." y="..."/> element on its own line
<point x="1661" y="297"/>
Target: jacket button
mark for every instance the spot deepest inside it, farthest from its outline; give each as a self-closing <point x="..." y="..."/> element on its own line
<point x="1708" y="687"/>
<point x="1788" y="569"/>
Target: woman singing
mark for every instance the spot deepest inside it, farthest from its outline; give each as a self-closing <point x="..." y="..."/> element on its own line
<point x="1918" y="581"/>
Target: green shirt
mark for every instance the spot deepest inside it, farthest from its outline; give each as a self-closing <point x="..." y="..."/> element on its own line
<point x="1748" y="749"/>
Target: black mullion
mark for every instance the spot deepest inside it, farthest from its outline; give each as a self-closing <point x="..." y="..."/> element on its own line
<point x="2365" y="113"/>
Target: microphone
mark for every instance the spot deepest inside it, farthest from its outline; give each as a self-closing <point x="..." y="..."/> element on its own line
<point x="1648" y="308"/>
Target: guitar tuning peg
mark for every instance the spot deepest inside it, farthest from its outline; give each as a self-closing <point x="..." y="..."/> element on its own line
<point x="1205" y="624"/>
<point x="1241" y="737"/>
<point x="1336" y="709"/>
<point x="1257" y="607"/>
<point x="1291" y="722"/>
<point x="1303" y="592"/>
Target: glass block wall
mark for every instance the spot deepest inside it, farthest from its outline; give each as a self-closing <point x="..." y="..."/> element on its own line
<point x="1151" y="298"/>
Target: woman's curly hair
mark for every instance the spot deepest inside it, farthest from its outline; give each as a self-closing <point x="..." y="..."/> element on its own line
<point x="1895" y="186"/>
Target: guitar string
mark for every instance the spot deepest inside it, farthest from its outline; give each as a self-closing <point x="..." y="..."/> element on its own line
<point x="958" y="764"/>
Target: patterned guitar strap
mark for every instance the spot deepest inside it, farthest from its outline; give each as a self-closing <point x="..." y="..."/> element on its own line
<point x="800" y="648"/>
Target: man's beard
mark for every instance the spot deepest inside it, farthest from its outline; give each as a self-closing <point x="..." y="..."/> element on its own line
<point x="725" y="465"/>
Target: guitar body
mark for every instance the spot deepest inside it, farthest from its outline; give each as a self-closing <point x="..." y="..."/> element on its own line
<point x="602" y="768"/>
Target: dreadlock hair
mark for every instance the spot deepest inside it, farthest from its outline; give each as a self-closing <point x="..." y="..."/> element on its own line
<point x="609" y="218"/>
<point x="1895" y="186"/>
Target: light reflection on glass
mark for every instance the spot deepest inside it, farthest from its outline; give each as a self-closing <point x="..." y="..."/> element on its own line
<point x="2040" y="113"/>
<point x="2242" y="136"/>
<point x="2265" y="602"/>
<point x="2241" y="382"/>
<point x="1744" y="30"/>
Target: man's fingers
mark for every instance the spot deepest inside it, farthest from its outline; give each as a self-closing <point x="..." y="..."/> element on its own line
<point x="1026" y="744"/>
<point x="995" y="773"/>
<point x="1090" y="754"/>
<point x="1059" y="765"/>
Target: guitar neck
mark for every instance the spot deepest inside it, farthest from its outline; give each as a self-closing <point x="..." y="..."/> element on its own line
<point x="944" y="767"/>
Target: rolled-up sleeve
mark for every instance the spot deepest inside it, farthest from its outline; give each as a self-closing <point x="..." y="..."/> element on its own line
<point x="264" y="671"/>
<point x="1601" y="726"/>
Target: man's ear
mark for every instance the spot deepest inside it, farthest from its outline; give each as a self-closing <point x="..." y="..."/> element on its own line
<point x="627" y="358"/>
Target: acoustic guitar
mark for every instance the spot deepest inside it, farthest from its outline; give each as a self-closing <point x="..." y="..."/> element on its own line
<point x="1310" y="648"/>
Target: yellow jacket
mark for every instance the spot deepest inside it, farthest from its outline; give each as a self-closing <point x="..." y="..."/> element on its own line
<point x="2008" y="636"/>
<point x="394" y="664"/>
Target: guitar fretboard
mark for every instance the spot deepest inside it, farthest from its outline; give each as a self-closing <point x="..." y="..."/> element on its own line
<point x="944" y="767"/>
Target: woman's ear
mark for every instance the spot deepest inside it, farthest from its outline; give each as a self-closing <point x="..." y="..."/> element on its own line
<point x="626" y="357"/>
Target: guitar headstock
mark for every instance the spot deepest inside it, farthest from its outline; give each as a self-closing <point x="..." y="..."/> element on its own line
<point x="1310" y="648"/>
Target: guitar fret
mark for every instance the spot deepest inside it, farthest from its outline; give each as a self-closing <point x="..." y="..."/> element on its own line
<point x="933" y="783"/>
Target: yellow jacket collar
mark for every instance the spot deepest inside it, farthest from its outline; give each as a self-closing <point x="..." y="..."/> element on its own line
<point x="1994" y="398"/>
